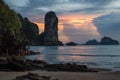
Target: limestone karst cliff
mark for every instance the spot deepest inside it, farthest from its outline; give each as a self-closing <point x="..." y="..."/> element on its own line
<point x="50" y="35"/>
<point x="30" y="31"/>
<point x="11" y="39"/>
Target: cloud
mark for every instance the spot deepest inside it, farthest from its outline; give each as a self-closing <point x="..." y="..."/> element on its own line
<point x="81" y="34"/>
<point x="114" y="4"/>
<point x="79" y="28"/>
<point x="75" y="16"/>
<point x="109" y="25"/>
<point x="40" y="7"/>
<point x="17" y="3"/>
<point x="65" y="7"/>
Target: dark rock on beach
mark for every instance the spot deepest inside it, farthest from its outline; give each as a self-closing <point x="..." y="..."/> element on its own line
<point x="18" y="64"/>
<point x="33" y="76"/>
<point x="13" y="64"/>
<point x="68" y="67"/>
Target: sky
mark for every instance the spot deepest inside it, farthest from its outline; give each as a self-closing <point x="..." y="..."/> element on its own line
<point x="79" y="20"/>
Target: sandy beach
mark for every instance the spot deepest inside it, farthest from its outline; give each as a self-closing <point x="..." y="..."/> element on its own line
<point x="67" y="75"/>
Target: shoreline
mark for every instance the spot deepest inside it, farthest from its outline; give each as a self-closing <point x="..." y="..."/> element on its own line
<point x="64" y="73"/>
<point x="102" y="75"/>
<point x="67" y="72"/>
<point x="30" y="65"/>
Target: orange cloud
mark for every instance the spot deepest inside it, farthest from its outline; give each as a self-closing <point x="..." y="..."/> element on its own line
<point x="62" y="37"/>
<point x="78" y="22"/>
<point x="40" y="26"/>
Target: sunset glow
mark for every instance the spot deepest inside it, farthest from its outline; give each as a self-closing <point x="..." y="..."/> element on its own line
<point x="59" y="39"/>
<point x="77" y="22"/>
<point x="40" y="26"/>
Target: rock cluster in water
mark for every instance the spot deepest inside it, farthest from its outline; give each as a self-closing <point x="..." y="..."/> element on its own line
<point x="104" y="41"/>
<point x="72" y="44"/>
<point x="108" y="41"/>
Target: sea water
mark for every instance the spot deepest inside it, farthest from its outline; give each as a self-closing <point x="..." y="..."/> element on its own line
<point x="92" y="56"/>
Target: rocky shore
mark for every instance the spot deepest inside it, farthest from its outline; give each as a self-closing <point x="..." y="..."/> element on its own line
<point x="21" y="64"/>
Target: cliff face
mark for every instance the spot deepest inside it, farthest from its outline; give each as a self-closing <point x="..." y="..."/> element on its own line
<point x="30" y="30"/>
<point x="11" y="39"/>
<point x="50" y="35"/>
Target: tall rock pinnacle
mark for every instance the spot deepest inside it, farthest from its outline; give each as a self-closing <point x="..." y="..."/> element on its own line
<point x="50" y="35"/>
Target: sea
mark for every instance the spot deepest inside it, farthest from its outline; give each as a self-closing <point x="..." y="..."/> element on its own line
<point x="104" y="56"/>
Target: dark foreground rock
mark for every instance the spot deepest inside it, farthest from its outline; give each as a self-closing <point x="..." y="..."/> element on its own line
<point x="18" y="64"/>
<point x="68" y="67"/>
<point x="33" y="76"/>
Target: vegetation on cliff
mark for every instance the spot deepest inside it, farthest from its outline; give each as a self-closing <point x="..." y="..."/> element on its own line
<point x="11" y="39"/>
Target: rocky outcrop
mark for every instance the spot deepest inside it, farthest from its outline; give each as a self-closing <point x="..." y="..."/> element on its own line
<point x="108" y="41"/>
<point x="30" y="31"/>
<point x="19" y="64"/>
<point x="68" y="67"/>
<point x="104" y="41"/>
<point x="72" y="44"/>
<point x="33" y="76"/>
<point x="92" y="42"/>
<point x="50" y="35"/>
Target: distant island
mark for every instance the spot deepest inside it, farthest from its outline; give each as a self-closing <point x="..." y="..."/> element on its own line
<point x="72" y="44"/>
<point x="104" y="41"/>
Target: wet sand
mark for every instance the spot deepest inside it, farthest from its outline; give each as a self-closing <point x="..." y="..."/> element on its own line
<point x="103" y="75"/>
